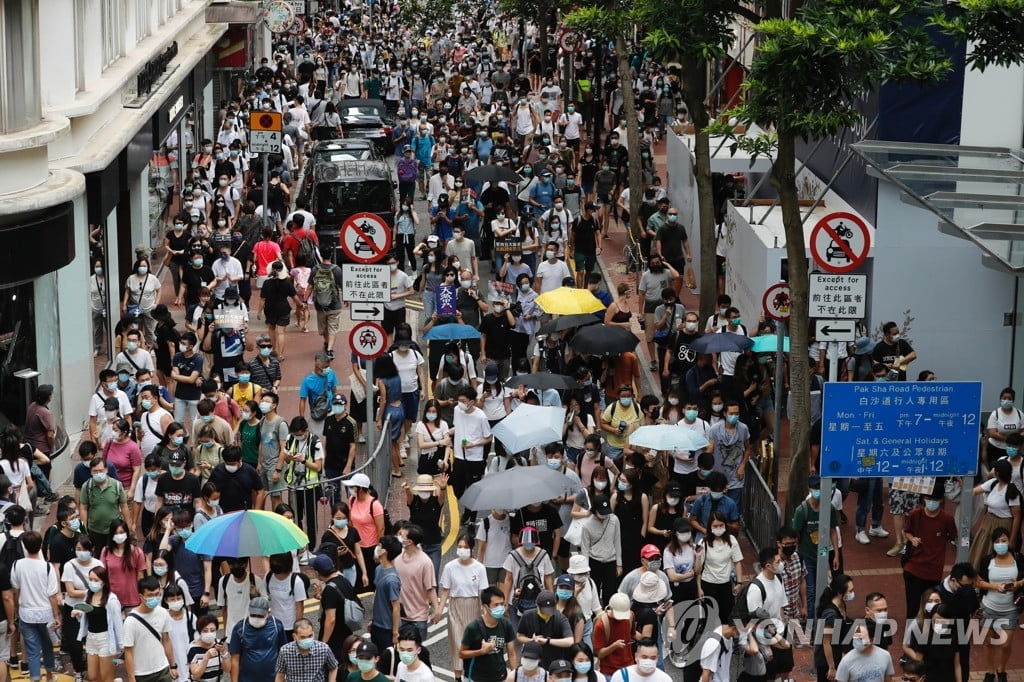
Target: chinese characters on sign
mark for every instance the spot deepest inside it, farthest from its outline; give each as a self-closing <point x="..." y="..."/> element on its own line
<point x="444" y="300"/>
<point x="838" y="296"/>
<point x="924" y="428"/>
<point x="365" y="283"/>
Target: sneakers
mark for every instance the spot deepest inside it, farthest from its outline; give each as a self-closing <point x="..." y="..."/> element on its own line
<point x="895" y="550"/>
<point x="862" y="538"/>
<point x="878" y="532"/>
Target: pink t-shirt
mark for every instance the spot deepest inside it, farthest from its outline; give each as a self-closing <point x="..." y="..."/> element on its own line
<point x="124" y="456"/>
<point x="362" y="515"/>
<point x="124" y="578"/>
<point x="300" y="277"/>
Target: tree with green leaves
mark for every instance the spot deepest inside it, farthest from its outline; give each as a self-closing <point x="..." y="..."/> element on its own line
<point x="614" y="20"/>
<point x="694" y="33"/>
<point x="805" y="81"/>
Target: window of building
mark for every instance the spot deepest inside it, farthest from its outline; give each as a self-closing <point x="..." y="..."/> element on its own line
<point x="17" y="348"/>
<point x="142" y="19"/>
<point x="79" y="17"/>
<point x="19" y="65"/>
<point x="112" y="25"/>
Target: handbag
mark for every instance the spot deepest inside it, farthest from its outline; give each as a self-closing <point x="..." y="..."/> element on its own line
<point x="574" y="533"/>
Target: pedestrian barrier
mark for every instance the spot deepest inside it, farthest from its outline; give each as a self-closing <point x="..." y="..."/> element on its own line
<point x="322" y="494"/>
<point x="761" y="513"/>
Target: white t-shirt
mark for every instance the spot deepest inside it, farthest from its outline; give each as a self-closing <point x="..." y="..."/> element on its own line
<point x="774" y="599"/>
<point x="995" y="499"/>
<point x="635" y="676"/>
<point x="421" y="674"/>
<point x="180" y="641"/>
<point x="235" y="595"/>
<point x="400" y="283"/>
<point x="496" y="533"/>
<point x="1005" y="424"/>
<point x="712" y="658"/>
<point x="96" y="405"/>
<point x="17" y="472"/>
<point x="140" y="359"/>
<point x="464" y="580"/>
<point x="282" y="599"/>
<point x="552" y="274"/>
<point x="727" y="359"/>
<point x="145" y="493"/>
<point x="74" y="572"/>
<point x="148" y="652"/>
<point x="719" y="558"/>
<point x="494" y="402"/>
<point x="432" y="433"/>
<point x="471" y="426"/>
<point x="690" y="464"/>
<point x="36" y="582"/>
<point x="408" y="365"/>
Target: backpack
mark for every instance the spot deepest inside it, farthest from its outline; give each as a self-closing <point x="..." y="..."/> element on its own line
<point x="740" y="610"/>
<point x="636" y="408"/>
<point x="12" y="550"/>
<point x="309" y="250"/>
<point x="529" y="583"/>
<point x="389" y="528"/>
<point x="325" y="289"/>
<point x="353" y="609"/>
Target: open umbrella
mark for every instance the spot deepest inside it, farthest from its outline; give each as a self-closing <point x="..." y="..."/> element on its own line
<point x="530" y="425"/>
<point x="769" y="343"/>
<point x="543" y="380"/>
<point x="491" y="173"/>
<point x="451" y="332"/>
<point x="603" y="339"/>
<point x="569" y="301"/>
<point x="668" y="437"/>
<point x="517" y="487"/>
<point x="252" y="532"/>
<point x="721" y="343"/>
<point x="563" y="322"/>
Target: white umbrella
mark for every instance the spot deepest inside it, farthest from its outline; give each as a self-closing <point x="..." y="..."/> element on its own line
<point x="530" y="425"/>
<point x="667" y="437"/>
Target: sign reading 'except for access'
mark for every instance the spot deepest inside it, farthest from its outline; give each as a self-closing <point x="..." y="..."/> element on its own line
<point x="839" y="296"/>
<point x="368" y="340"/>
<point x="919" y="428"/>
<point x="365" y="284"/>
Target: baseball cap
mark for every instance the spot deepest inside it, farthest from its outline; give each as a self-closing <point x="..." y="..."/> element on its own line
<point x="322" y="563"/>
<point x="602" y="506"/>
<point x="619" y="605"/>
<point x="564" y="580"/>
<point x="649" y="552"/>
<point x="259" y="606"/>
<point x="359" y="481"/>
<point x="533" y="650"/>
<point x="814" y="481"/>
<point x="177" y="457"/>
<point x="339" y="400"/>
<point x="558" y="667"/>
<point x="124" y="367"/>
<point x="366" y="649"/>
<point x="433" y="239"/>
<point x="491" y="371"/>
<point x="546" y="601"/>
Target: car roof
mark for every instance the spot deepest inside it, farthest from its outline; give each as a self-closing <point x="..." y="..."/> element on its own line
<point x="343" y="143"/>
<point x="345" y="171"/>
<point x="376" y="103"/>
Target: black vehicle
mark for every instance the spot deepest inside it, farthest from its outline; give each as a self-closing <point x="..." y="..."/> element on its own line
<point x="339" y="190"/>
<point x="338" y="151"/>
<point x="367" y="119"/>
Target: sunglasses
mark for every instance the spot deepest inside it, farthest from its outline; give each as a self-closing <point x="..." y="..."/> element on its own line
<point x="265" y="345"/>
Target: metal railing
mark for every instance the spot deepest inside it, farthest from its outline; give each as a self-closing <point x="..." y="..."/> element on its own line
<point x="376" y="467"/>
<point x="761" y="513"/>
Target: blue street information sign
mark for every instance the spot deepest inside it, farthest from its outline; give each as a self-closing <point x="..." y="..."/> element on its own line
<point x="918" y="428"/>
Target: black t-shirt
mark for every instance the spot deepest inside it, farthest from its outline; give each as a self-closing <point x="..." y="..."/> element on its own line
<point x="672" y="238"/>
<point x="339" y="434"/>
<point x="682" y="357"/>
<point x="235" y="488"/>
<point x="165" y="334"/>
<point x="546" y="520"/>
<point x="276" y="293"/>
<point x="468" y="306"/>
<point x="427" y="515"/>
<point x="489" y="668"/>
<point x="179" y="243"/>
<point x="585" y="235"/>
<point x="59" y="548"/>
<point x="887" y="354"/>
<point x="178" y="493"/>
<point x="193" y="278"/>
<point x="333" y="597"/>
<point x="499" y="336"/>
<point x="556" y="627"/>
<point x="347" y="558"/>
<point x="186" y="366"/>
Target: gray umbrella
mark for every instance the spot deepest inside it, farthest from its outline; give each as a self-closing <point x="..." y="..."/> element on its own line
<point x="517" y="487"/>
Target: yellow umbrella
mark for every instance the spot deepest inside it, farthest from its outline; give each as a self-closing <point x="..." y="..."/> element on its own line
<point x="569" y="301"/>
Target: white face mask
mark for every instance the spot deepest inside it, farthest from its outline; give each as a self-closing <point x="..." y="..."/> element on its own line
<point x="424" y="496"/>
<point x="463" y="552"/>
<point x="208" y="637"/>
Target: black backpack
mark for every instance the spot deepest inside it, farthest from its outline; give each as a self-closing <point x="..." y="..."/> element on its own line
<point x="12" y="550"/>
<point x="740" y="610"/>
<point x="529" y="584"/>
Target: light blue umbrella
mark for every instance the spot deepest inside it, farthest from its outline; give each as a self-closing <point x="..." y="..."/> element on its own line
<point x="668" y="437"/>
<point x="769" y="343"/>
<point x="530" y="425"/>
<point x="451" y="332"/>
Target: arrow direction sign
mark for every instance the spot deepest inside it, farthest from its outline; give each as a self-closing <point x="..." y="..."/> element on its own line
<point x="363" y="312"/>
<point x="835" y="330"/>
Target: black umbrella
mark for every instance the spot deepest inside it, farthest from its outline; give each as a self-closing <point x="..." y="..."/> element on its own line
<point x="563" y="322"/>
<point x="603" y="339"/>
<point x="543" y="380"/>
<point x="491" y="173"/>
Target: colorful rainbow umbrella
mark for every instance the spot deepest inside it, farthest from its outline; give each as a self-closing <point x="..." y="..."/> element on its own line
<point x="251" y="532"/>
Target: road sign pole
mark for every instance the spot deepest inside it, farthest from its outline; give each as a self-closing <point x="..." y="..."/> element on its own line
<point x="266" y="190"/>
<point x="825" y="509"/>
<point x="966" y="514"/>
<point x="371" y="417"/>
<point x="780" y="338"/>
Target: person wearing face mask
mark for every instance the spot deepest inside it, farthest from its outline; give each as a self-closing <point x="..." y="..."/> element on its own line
<point x="805" y="523"/>
<point x="836" y="622"/>
<point x="1002" y="423"/>
<point x="928" y="531"/>
<point x="646" y="665"/>
<point x="957" y="592"/>
<point x="305" y="655"/>
<point x="186" y="371"/>
<point x="681" y="557"/>
<point x="102" y="628"/>
<point x="426" y="499"/>
<point x="141" y="294"/>
<point x="1000" y="578"/>
<point x="235" y="591"/>
<point x="254" y="644"/>
<point x="207" y="657"/>
<point x="1002" y="508"/>
<point x="462" y="583"/>
<point x="183" y="624"/>
<point x="866" y="662"/>
<point x="102" y="502"/>
<point x="544" y="625"/>
<point x="766" y="591"/>
<point x="239" y="484"/>
<point x="101" y="416"/>
<point x="145" y="654"/>
<point x="732" y="449"/>
<point x="488" y="643"/>
<point x="601" y="542"/>
<point x="387" y="600"/>
<point x="893" y="352"/>
<point x="664" y="514"/>
<point x="125" y="563"/>
<point x="551" y="271"/>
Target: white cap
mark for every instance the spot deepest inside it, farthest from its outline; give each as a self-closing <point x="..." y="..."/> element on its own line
<point x="359" y="481"/>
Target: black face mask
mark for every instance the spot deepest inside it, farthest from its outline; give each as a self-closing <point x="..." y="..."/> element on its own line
<point x="789" y="551"/>
<point x="239" y="571"/>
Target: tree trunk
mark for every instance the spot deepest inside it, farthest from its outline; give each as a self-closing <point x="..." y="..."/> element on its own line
<point x="783" y="178"/>
<point x="694" y="91"/>
<point x="542" y="42"/>
<point x="636" y="184"/>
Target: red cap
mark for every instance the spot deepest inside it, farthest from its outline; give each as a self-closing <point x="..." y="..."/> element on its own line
<point x="649" y="551"/>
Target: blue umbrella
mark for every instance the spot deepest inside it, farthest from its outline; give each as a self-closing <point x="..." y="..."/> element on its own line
<point x="721" y="343"/>
<point x="769" y="343"/>
<point x="451" y="332"/>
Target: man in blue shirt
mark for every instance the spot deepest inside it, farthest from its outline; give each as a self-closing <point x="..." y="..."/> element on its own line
<point x="468" y="214"/>
<point x="542" y="194"/>
<point x="387" y="607"/>
<point x="255" y="643"/>
<point x="318" y="385"/>
<point x="423" y="146"/>
<point x="716" y="500"/>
